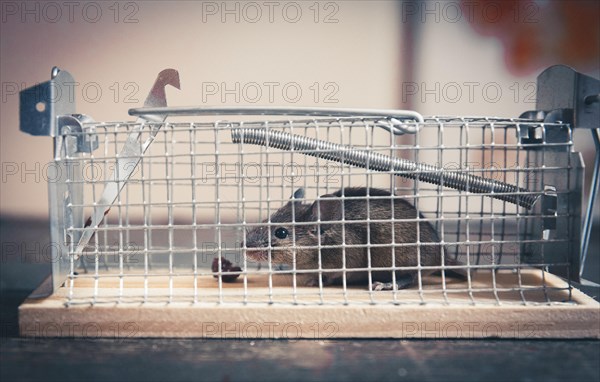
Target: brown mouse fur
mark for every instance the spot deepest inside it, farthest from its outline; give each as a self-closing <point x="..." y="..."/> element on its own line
<point x="302" y="240"/>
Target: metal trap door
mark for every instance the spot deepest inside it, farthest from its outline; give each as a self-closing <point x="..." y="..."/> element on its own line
<point x="552" y="230"/>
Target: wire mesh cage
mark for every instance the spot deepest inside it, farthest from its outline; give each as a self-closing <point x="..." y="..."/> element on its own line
<point x="325" y="207"/>
<point x="197" y="195"/>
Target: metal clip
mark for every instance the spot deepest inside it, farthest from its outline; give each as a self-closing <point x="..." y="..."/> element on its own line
<point x="87" y="140"/>
<point x="553" y="130"/>
<point x="549" y="210"/>
<point x="531" y="134"/>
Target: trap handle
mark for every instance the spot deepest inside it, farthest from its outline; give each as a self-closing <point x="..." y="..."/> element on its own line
<point x="397" y="122"/>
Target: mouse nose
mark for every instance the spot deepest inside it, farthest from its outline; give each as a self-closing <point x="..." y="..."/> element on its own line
<point x="249" y="243"/>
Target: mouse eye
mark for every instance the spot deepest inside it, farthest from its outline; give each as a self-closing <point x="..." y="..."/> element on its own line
<point x="281" y="233"/>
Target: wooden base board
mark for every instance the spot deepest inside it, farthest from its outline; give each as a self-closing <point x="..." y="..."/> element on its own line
<point x="456" y="314"/>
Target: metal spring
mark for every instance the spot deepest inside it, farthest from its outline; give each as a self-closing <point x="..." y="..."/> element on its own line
<point x="379" y="162"/>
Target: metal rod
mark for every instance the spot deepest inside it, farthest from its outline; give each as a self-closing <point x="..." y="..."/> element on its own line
<point x="379" y="162"/>
<point x="398" y="122"/>
<point x="589" y="216"/>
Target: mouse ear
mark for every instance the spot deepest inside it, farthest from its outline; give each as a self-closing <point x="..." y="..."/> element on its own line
<point x="298" y="194"/>
<point x="327" y="207"/>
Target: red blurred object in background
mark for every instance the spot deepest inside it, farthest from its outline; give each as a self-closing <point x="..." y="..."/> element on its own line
<point x="537" y="34"/>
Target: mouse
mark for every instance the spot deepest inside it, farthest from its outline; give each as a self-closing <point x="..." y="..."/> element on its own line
<point x="298" y="229"/>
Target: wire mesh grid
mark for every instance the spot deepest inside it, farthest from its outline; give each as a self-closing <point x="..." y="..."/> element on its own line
<point x="198" y="193"/>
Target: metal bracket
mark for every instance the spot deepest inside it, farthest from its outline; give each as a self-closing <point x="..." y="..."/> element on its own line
<point x="40" y="105"/>
<point x="563" y="96"/>
<point x="561" y="87"/>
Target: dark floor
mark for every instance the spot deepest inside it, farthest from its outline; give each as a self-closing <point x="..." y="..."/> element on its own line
<point x="26" y="359"/>
<point x="234" y="360"/>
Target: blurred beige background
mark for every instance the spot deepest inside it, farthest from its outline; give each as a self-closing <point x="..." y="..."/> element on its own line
<point x="366" y="53"/>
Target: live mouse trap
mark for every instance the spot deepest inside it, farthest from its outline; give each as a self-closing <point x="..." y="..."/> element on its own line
<point x="209" y="222"/>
